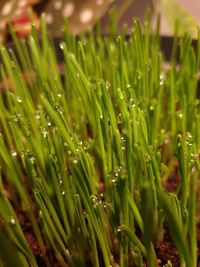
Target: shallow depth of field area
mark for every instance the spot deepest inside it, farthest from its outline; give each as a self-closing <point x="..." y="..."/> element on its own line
<point x="99" y="150"/>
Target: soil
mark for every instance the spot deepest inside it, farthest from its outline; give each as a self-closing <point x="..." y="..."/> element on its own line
<point x="166" y="251"/>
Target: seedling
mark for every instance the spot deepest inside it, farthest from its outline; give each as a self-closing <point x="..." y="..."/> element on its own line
<point x="87" y="147"/>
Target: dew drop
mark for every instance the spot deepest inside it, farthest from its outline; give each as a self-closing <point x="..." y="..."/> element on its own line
<point x="19" y="100"/>
<point x="13" y="153"/>
<point x="151" y="108"/>
<point x="22" y="154"/>
<point x="189" y="139"/>
<point x="37" y="115"/>
<point x="62" y="45"/>
<point x="44" y="132"/>
<point x="119" y="230"/>
<point x="27" y="131"/>
<point x="35" y="190"/>
<point x="147" y="158"/>
<point x="107" y="85"/>
<point x="85" y="215"/>
<point x="12" y="220"/>
<point x="59" y="109"/>
<point x="139" y="75"/>
<point x="119" y="118"/>
<point x="95" y="200"/>
<point x="132" y="102"/>
<point x="138" y="120"/>
<point x="32" y="159"/>
<point x="16" y="117"/>
<point x="105" y="204"/>
<point x="180" y="115"/>
<point x="162" y="79"/>
<point x="75" y="161"/>
<point x="53" y="158"/>
<point x="114" y="182"/>
<point x="121" y="95"/>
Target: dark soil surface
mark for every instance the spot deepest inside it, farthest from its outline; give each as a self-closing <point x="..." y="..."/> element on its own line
<point x="166" y="251"/>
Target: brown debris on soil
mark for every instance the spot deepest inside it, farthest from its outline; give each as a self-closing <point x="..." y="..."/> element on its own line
<point x="30" y="237"/>
<point x="166" y="251"/>
<point x="172" y="183"/>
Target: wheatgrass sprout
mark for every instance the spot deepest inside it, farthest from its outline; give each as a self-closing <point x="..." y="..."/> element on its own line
<point x="87" y="147"/>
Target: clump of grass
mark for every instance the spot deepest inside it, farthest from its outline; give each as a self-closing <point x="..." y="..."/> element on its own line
<point x="85" y="155"/>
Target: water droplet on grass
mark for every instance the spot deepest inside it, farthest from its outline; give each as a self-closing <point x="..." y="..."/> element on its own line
<point x="59" y="109"/>
<point x="139" y="74"/>
<point x="37" y="115"/>
<point x="119" y="118"/>
<point x="53" y="158"/>
<point x="44" y="132"/>
<point x="119" y="230"/>
<point x="19" y="100"/>
<point x="62" y="45"/>
<point x="16" y="117"/>
<point x="162" y="79"/>
<point x="12" y="220"/>
<point x="96" y="201"/>
<point x="151" y="108"/>
<point x="147" y="158"/>
<point x="114" y="182"/>
<point x="121" y="95"/>
<point x="27" y="131"/>
<point x="75" y="161"/>
<point x="180" y="115"/>
<point x="22" y="154"/>
<point x="32" y="159"/>
<point x="13" y="153"/>
<point x="189" y="139"/>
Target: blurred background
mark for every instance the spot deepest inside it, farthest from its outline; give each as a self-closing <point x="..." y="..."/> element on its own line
<point x="83" y="15"/>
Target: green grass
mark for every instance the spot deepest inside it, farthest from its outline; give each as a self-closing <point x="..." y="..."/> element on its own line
<point x="85" y="158"/>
